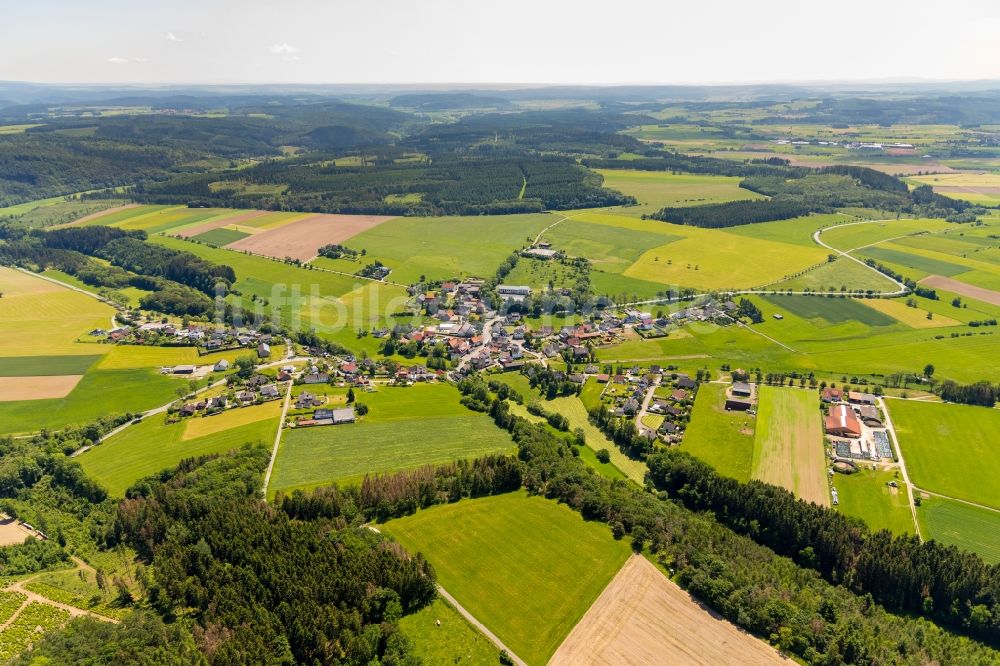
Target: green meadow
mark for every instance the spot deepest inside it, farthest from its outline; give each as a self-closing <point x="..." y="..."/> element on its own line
<point x="865" y="495"/>
<point x="518" y="551"/>
<point x="723" y="439"/>
<point x="659" y="189"/>
<point x="950" y="449"/>
<point x="962" y="525"/>
<point x="151" y="446"/>
<point x="406" y="427"/>
<point x="438" y="634"/>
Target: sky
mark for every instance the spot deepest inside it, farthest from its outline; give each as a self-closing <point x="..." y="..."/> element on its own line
<point x="512" y="41"/>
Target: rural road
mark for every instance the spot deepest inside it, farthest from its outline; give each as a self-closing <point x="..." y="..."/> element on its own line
<point x="487" y="338"/>
<point x="480" y="626"/>
<point x="645" y="406"/>
<point x="890" y="428"/>
<point x="277" y="438"/>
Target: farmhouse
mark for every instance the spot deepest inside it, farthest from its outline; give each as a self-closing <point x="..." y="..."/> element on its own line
<point x="316" y="378"/>
<point x="221" y="366"/>
<point x="869" y="414"/>
<point x="307" y="399"/>
<point x="830" y="394"/>
<point x="842" y="422"/>
<point x="860" y="398"/>
<point x="263" y="350"/>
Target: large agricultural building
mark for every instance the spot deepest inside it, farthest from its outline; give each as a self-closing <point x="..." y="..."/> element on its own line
<point x="842" y="422"/>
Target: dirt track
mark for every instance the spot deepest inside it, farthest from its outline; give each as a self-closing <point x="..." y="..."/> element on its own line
<point x="642" y="617"/>
<point x="301" y="239"/>
<point x="220" y="222"/>
<point x="962" y="289"/>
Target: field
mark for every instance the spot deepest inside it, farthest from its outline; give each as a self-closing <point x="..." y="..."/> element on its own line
<point x="957" y="524"/>
<point x="515" y="551"/>
<point x="725" y="440"/>
<point x="961" y="288"/>
<point x="11" y="532"/>
<point x="151" y="446"/>
<point x="444" y="247"/>
<point x="40" y="318"/>
<point x="453" y="641"/>
<point x="37" y="388"/>
<point x="923" y="264"/>
<point x="853" y="236"/>
<point x="912" y="317"/>
<point x="659" y="189"/>
<point x="406" y="427"/>
<point x="642" y="617"/>
<point x="865" y="495"/>
<point x="220" y="237"/>
<point x="950" y="449"/>
<point x="302" y="238"/>
<point x="788" y="443"/>
<point x="831" y="310"/>
<point x="572" y="408"/>
<point x="979" y="188"/>
<point x="837" y="275"/>
<point x="190" y="231"/>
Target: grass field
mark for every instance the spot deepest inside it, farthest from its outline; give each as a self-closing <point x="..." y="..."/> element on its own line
<point x="924" y="265"/>
<point x="151" y="446"/>
<point x="611" y="242"/>
<point x="38" y="317"/>
<point x="453" y="641"/>
<point x="725" y="440"/>
<point x="406" y="427"/>
<point x="572" y="408"/>
<point x="850" y="237"/>
<point x="443" y="247"/>
<point x="865" y="495"/>
<point x="39" y="366"/>
<point x="837" y="275"/>
<point x="831" y="310"/>
<point x="950" y="449"/>
<point x="912" y="317"/>
<point x="526" y="567"/>
<point x="962" y="525"/>
<point x="658" y="189"/>
<point x="788" y="443"/>
<point x="121" y="357"/>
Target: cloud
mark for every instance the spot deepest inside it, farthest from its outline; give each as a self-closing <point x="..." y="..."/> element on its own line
<point x="284" y="49"/>
<point x="171" y="37"/>
<point x="115" y="60"/>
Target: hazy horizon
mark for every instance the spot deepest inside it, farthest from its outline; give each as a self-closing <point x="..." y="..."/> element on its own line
<point x="446" y="42"/>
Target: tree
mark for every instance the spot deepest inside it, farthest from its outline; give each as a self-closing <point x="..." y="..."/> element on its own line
<point x="929" y="370"/>
<point x="603" y="456"/>
<point x="244" y="367"/>
<point x="350" y="395"/>
<point x="361" y="408"/>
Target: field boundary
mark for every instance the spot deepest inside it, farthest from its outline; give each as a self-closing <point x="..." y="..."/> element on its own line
<point x="493" y="638"/>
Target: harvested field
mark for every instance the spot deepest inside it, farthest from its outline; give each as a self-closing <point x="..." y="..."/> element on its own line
<point x="962" y="289"/>
<point x="221" y="222"/>
<point x="37" y="388"/>
<point x="11" y="532"/>
<point x="788" y="443"/>
<point x="102" y="213"/>
<point x="301" y="239"/>
<point x="642" y="617"/>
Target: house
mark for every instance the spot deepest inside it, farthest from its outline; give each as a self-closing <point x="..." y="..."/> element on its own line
<point x="669" y="428"/>
<point x="842" y="422"/>
<point x="246" y="397"/>
<point x="685" y="382"/>
<point x="263" y="350"/>
<point x="679" y="394"/>
<point x="316" y="378"/>
<point x="860" y="398"/>
<point x="539" y="253"/>
<point x="742" y="389"/>
<point x="188" y="410"/>
<point x="221" y="366"/>
<point x="869" y="415"/>
<point x="269" y="391"/>
<point x="322" y="414"/>
<point x="306" y="400"/>
<point x="217" y="403"/>
<point x="831" y="394"/>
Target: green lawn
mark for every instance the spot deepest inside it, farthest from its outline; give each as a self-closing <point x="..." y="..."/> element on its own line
<point x="99" y="393"/>
<point x="590" y="396"/>
<point x="406" y="428"/>
<point x="572" y="408"/>
<point x="957" y="524"/>
<point x="151" y="446"/>
<point x="526" y="567"/>
<point x="453" y="641"/>
<point x="950" y="449"/>
<point x="865" y="495"/>
<point x="722" y="439"/>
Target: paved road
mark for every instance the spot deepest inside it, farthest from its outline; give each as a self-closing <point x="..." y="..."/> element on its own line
<point x="902" y="465"/>
<point x="645" y="407"/>
<point x="487" y="338"/>
<point x="277" y="438"/>
<point x="480" y="626"/>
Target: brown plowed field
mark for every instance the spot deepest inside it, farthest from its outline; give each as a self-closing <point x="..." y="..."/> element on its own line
<point x="643" y="617"/>
<point x="962" y="289"/>
<point x="301" y="239"/>
<point x="37" y="388"/>
<point x="220" y="222"/>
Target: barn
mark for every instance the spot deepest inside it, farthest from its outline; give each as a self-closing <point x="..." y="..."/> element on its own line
<point x="842" y="422"/>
